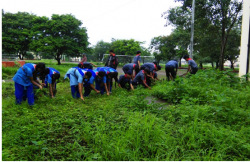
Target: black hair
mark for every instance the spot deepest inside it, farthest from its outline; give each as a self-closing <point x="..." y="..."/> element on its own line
<point x="137" y="69"/>
<point x="80" y="65"/>
<point x="158" y="67"/>
<point x="101" y="74"/>
<point x="40" y="65"/>
<point x="147" y="70"/>
<point x="185" y="56"/>
<point x="46" y="71"/>
<point x="55" y="77"/>
<point x="138" y="52"/>
<point x="111" y="51"/>
<point x="155" y="63"/>
<point x="115" y="76"/>
<point x="89" y="74"/>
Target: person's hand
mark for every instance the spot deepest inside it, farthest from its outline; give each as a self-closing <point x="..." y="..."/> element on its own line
<point x="52" y="97"/>
<point x="95" y="66"/>
<point x="43" y="84"/>
<point x="149" y="88"/>
<point x="40" y="87"/>
<point x="108" y="93"/>
<point x="82" y="98"/>
<point x="97" y="91"/>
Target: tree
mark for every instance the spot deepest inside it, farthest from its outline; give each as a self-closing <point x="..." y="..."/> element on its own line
<point x="101" y="48"/>
<point x="222" y="15"/>
<point x="59" y="35"/>
<point x="125" y="47"/>
<point x="16" y="32"/>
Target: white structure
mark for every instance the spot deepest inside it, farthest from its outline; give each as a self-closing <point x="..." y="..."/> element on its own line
<point x="244" y="58"/>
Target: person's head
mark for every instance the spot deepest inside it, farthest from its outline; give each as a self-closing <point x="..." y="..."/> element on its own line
<point x="158" y="67"/>
<point x="46" y="71"/>
<point x="83" y="55"/>
<point x="111" y="52"/>
<point x="138" y="52"/>
<point x="155" y="63"/>
<point x="137" y="69"/>
<point x="129" y="73"/>
<point x="55" y="77"/>
<point x="101" y="74"/>
<point x="109" y="75"/>
<point x="186" y="57"/>
<point x="147" y="70"/>
<point x="40" y="67"/>
<point x="88" y="75"/>
<point x="80" y="65"/>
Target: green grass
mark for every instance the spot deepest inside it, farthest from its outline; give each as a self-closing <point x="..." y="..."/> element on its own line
<point x="207" y="118"/>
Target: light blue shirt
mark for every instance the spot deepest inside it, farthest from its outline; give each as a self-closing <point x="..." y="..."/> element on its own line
<point x="22" y="75"/>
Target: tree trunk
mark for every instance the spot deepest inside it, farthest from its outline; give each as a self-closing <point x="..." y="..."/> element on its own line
<point x="217" y="64"/>
<point x="58" y="58"/>
<point x="201" y="66"/>
<point x="212" y="64"/>
<point x="21" y="56"/>
<point x="232" y="64"/>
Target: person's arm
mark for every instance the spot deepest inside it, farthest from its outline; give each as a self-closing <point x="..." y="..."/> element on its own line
<point x="106" y="89"/>
<point x="80" y="90"/>
<point x="51" y="91"/>
<point x="91" y="85"/>
<point x="35" y="83"/>
<point x="139" y="64"/>
<point x="131" y="86"/>
<point x="93" y="64"/>
<point x="109" y="86"/>
<point x="151" y="75"/>
<point x="146" y="84"/>
<point x="119" y="85"/>
<point x="188" y="69"/>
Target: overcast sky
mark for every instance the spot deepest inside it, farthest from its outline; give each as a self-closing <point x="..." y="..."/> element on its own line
<point x="105" y="19"/>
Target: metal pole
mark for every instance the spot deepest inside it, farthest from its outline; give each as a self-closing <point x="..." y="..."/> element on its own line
<point x="248" y="45"/>
<point x="192" y="31"/>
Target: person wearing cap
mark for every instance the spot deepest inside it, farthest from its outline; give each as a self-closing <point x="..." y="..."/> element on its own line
<point x="151" y="66"/>
<point x="137" y="59"/>
<point x="101" y="80"/>
<point x="140" y="78"/>
<point x="124" y="79"/>
<point x="84" y="58"/>
<point x="112" y="60"/>
<point x="24" y="79"/>
<point x="169" y="69"/>
<point x="192" y="66"/>
<point x="88" y="65"/>
<point x="89" y="83"/>
<point x="77" y="75"/>
<point x="51" y="75"/>
<point x="131" y="67"/>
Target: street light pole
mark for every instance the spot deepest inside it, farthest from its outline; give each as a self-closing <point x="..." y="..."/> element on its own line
<point x="192" y="31"/>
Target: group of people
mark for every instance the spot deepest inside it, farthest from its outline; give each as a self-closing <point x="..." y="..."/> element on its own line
<point x="83" y="77"/>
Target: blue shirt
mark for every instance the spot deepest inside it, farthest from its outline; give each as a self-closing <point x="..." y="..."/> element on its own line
<point x="172" y="63"/>
<point x="139" y="77"/>
<point x="76" y="75"/>
<point x="128" y="67"/>
<point x="149" y="65"/>
<point x="22" y="75"/>
<point x="136" y="59"/>
<point x="122" y="78"/>
<point x="192" y="64"/>
<point x="48" y="77"/>
<point x="92" y="78"/>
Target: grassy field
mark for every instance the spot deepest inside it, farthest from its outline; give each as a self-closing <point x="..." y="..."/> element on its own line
<point x="204" y="117"/>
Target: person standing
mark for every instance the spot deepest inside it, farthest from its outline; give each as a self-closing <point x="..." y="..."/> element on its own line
<point x="192" y="66"/>
<point x="24" y="81"/>
<point x="84" y="58"/>
<point x="137" y="59"/>
<point x="112" y="60"/>
<point x="169" y="69"/>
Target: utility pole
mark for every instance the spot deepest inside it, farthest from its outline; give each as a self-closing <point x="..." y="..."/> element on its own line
<point x="192" y="31"/>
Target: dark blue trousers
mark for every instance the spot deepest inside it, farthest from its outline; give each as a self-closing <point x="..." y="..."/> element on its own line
<point x="87" y="90"/>
<point x="21" y="94"/>
<point x="75" y="91"/>
<point x="99" y="87"/>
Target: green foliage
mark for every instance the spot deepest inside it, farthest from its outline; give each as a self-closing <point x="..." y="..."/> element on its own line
<point x="207" y="120"/>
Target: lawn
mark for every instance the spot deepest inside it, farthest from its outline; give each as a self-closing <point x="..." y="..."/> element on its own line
<point x="204" y="117"/>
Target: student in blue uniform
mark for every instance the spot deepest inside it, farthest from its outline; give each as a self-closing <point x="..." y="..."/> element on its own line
<point x="140" y="78"/>
<point x="124" y="79"/>
<point x="88" y="83"/>
<point x="24" y="81"/>
<point x="137" y="59"/>
<point x="192" y="66"/>
<point x="111" y="74"/>
<point x="76" y="81"/>
<point x="151" y="66"/>
<point x="131" y="67"/>
<point x="155" y="75"/>
<point x="100" y="81"/>
<point x="51" y="75"/>
<point x="169" y="69"/>
<point x="88" y="65"/>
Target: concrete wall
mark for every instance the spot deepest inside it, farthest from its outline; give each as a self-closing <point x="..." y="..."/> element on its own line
<point x="244" y="38"/>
